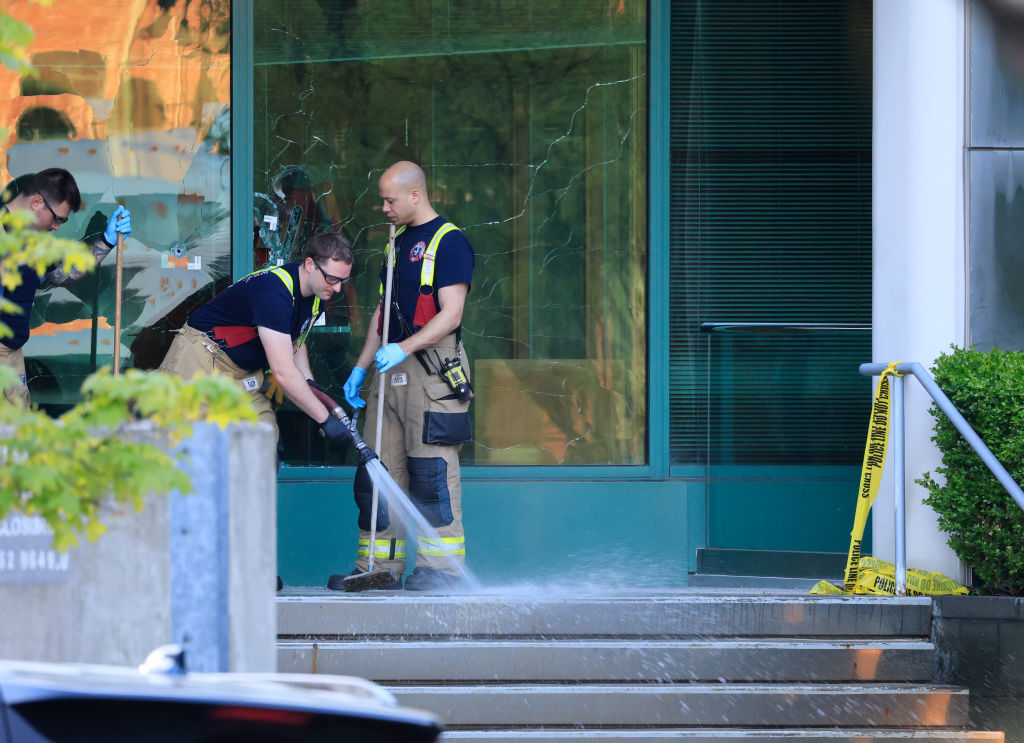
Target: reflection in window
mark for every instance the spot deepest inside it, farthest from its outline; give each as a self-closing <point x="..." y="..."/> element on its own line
<point x="43" y="122"/>
<point x="530" y="120"/>
<point x="137" y="112"/>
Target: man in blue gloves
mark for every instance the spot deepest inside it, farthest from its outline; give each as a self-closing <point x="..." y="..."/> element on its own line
<point x="52" y="195"/>
<point x="426" y="404"/>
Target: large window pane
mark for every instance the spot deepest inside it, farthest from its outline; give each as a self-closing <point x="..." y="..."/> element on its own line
<point x="530" y="121"/>
<point x="133" y="100"/>
<point x="771" y="241"/>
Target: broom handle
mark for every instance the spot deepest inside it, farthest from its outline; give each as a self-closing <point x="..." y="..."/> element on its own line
<point x="117" y="304"/>
<point x="389" y="262"/>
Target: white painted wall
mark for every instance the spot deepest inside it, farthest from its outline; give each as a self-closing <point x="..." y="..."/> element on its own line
<point x="918" y="231"/>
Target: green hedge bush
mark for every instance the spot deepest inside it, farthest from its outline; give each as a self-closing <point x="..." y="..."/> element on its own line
<point x="985" y="525"/>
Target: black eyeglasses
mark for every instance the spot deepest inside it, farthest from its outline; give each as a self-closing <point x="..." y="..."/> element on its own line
<point x="58" y="220"/>
<point x="332" y="280"/>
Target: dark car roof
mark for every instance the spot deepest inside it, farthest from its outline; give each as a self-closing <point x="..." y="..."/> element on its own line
<point x="46" y="696"/>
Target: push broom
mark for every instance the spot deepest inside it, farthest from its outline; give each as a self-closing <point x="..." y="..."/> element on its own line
<point x="380" y="579"/>
<point x="117" y="303"/>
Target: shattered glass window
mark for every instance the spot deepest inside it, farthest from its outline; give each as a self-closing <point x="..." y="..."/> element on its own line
<point x="530" y="121"/>
<point x="134" y="101"/>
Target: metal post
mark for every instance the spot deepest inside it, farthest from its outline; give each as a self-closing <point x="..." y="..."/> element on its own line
<point x="947" y="407"/>
<point x="199" y="546"/>
<point x="899" y="476"/>
<point x="958" y="421"/>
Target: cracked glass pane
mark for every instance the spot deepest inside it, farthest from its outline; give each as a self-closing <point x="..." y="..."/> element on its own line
<point x="133" y="101"/>
<point x="530" y="120"/>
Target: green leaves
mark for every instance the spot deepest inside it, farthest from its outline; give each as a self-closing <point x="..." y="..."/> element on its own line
<point x="15" y="37"/>
<point x="986" y="526"/>
<point x="65" y="469"/>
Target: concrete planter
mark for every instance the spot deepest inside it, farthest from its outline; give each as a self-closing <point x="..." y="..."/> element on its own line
<point x="199" y="570"/>
<point x="979" y="643"/>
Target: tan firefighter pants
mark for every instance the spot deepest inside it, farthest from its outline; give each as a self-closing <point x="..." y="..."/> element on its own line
<point x="424" y="427"/>
<point x="193" y="352"/>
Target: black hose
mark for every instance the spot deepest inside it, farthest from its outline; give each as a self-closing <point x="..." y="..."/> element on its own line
<point x="365" y="452"/>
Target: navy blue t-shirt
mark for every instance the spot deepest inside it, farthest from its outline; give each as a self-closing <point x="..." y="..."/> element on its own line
<point x="258" y="300"/>
<point x="23" y="296"/>
<point x="452" y="265"/>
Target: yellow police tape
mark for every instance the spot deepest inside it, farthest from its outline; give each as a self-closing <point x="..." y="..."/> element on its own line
<point x="878" y="578"/>
<point x="870" y="473"/>
<point x="868" y="575"/>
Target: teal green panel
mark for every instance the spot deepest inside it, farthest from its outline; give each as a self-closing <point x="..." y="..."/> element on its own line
<point x="696" y="520"/>
<point x="783" y="508"/>
<point x="615" y="534"/>
<point x="620" y="534"/>
<point x="316" y="531"/>
<point x="241" y="136"/>
<point x="659" y="274"/>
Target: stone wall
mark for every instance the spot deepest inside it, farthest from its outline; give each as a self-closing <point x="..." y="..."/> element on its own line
<point x="199" y="569"/>
<point x="979" y="643"/>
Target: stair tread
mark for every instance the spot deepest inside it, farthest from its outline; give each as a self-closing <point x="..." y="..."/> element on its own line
<point x="639" y="666"/>
<point x="804" y="643"/>
<point x="690" y="705"/>
<point x="690" y="688"/>
<point x="656" y="615"/>
<point x="805" y="734"/>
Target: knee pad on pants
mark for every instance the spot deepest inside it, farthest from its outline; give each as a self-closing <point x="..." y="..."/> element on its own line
<point x="363" y="489"/>
<point x="428" y="489"/>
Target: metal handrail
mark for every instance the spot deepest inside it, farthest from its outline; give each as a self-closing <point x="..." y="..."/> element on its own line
<point x="718" y="327"/>
<point x="899" y="458"/>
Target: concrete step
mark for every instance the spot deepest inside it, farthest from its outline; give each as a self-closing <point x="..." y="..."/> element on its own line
<point x="691" y="705"/>
<point x="509" y="661"/>
<point x="723" y="735"/>
<point x="329" y="615"/>
<point x="714" y="665"/>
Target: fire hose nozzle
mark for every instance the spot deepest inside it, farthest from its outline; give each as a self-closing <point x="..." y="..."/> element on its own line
<point x="365" y="452"/>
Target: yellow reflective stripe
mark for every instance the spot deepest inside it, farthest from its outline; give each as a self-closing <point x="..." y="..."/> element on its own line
<point x="429" y="257"/>
<point x="312" y="319"/>
<point x="366" y="542"/>
<point x="281" y="273"/>
<point x="382" y="549"/>
<point x="441" y="553"/>
<point x="286" y="279"/>
<point x="443" y="547"/>
<point x="380" y="554"/>
<point x="427" y="272"/>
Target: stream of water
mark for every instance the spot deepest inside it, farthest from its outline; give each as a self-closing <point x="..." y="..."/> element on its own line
<point x="405" y="510"/>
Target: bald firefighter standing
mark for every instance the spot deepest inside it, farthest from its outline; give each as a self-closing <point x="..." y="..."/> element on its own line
<point x="427" y="393"/>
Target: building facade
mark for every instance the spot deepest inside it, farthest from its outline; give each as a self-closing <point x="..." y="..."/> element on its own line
<point x="693" y="220"/>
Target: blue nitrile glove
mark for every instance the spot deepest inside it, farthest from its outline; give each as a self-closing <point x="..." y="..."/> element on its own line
<point x="120" y="221"/>
<point x="389" y="356"/>
<point x="353" y="384"/>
